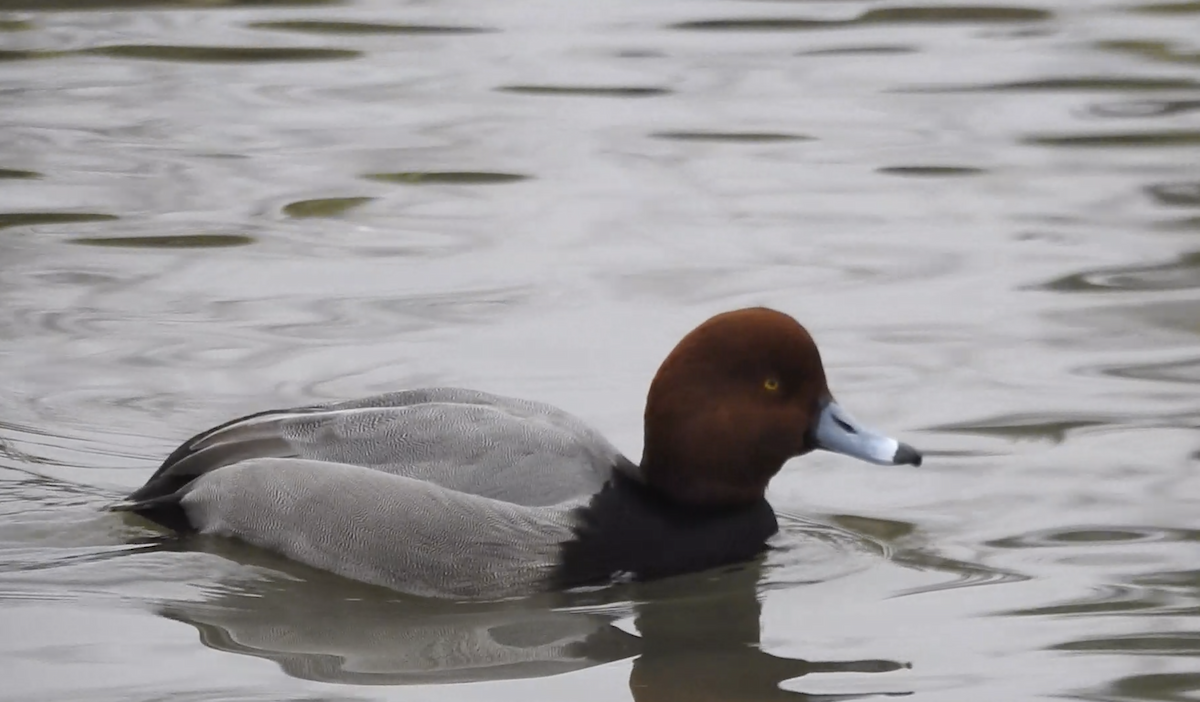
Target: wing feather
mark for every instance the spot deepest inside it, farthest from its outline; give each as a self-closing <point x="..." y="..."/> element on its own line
<point x="502" y="448"/>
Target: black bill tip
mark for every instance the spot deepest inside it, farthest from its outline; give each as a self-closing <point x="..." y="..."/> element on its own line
<point x="907" y="455"/>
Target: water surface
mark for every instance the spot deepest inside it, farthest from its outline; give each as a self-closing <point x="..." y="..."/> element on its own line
<point x="986" y="214"/>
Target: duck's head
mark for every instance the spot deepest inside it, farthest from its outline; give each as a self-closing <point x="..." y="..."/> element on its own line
<point x="737" y="397"/>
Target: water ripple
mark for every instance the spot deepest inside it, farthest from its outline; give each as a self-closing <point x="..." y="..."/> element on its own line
<point x="965" y="574"/>
<point x="1087" y="84"/>
<point x="325" y="207"/>
<point x="932" y="171"/>
<point x="1179" y="581"/>
<point x="1182" y="224"/>
<point x="1148" y="139"/>
<point x="360" y="28"/>
<point x="177" y="241"/>
<point x="50" y="524"/>
<point x="1185" y="194"/>
<point x="1162" y="687"/>
<point x="1114" y="600"/>
<point x="1181" y="274"/>
<point x="1099" y="534"/>
<point x="1188" y="7"/>
<point x="15" y="25"/>
<point x="1184" y="371"/>
<point x="1152" y="50"/>
<point x="867" y="50"/>
<point x="351" y="320"/>
<point x="30" y="219"/>
<point x="222" y="54"/>
<point x="586" y="91"/>
<point x="896" y="538"/>
<point x="730" y="137"/>
<point x="1148" y="644"/>
<point x="1182" y="316"/>
<point x="15" y="174"/>
<point x="808" y="551"/>
<point x="878" y="16"/>
<point x="12" y="55"/>
<point x="1141" y="109"/>
<point x="1046" y="427"/>
<point x="447" y="177"/>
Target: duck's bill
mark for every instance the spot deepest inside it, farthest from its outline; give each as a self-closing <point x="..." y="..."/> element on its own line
<point x="837" y="431"/>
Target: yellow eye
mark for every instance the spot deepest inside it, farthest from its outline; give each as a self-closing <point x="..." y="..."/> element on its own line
<point x="771" y="384"/>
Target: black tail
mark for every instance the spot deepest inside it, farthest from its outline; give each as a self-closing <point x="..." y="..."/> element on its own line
<point x="165" y="510"/>
<point x="159" y="500"/>
<point x="220" y="446"/>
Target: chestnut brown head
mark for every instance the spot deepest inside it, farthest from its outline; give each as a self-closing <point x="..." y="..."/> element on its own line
<point x="737" y="397"/>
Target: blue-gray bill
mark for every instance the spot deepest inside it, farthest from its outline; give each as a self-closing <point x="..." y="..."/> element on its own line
<point x="837" y="431"/>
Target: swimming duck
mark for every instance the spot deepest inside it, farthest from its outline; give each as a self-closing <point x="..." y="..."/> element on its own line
<point x="453" y="492"/>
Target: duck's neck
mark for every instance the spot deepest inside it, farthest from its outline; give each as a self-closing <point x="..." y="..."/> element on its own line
<point x="698" y="486"/>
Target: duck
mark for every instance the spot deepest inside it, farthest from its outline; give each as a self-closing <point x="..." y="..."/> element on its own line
<point x="450" y="492"/>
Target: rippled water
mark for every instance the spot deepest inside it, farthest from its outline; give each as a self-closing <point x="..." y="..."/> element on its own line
<point x="987" y="215"/>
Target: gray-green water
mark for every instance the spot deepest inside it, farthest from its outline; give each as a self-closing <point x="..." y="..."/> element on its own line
<point x="987" y="215"/>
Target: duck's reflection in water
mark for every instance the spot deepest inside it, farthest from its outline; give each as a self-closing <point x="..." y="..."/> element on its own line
<point x="698" y="636"/>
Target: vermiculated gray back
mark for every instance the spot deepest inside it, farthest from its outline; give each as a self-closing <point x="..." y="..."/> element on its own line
<point x="513" y="450"/>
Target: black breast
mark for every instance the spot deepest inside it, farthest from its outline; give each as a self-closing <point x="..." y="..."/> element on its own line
<point x="629" y="531"/>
